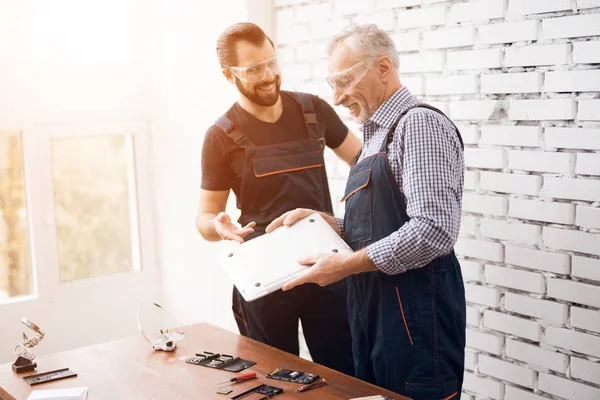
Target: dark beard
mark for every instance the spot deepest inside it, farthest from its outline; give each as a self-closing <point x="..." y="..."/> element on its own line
<point x="265" y="101"/>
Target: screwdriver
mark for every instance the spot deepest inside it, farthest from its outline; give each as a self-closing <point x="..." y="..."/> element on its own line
<point x="240" y="378"/>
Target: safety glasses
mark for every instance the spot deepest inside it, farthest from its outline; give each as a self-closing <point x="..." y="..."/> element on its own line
<point x="257" y="72"/>
<point x="349" y="77"/>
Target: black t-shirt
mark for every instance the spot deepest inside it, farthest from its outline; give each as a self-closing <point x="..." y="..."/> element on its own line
<point x="223" y="160"/>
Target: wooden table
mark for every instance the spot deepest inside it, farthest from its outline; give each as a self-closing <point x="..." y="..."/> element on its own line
<point x="129" y="369"/>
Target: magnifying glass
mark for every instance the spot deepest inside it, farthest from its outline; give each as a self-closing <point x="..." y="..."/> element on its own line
<point x="158" y="327"/>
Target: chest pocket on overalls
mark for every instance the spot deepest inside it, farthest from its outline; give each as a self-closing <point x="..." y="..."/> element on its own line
<point x="358" y="219"/>
<point x="288" y="180"/>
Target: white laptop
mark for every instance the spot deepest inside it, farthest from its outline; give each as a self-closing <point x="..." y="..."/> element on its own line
<point x="263" y="265"/>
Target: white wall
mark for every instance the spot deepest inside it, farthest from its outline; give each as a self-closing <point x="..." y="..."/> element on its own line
<point x="190" y="93"/>
<point x="66" y="62"/>
<point x="151" y="60"/>
<point x="521" y="78"/>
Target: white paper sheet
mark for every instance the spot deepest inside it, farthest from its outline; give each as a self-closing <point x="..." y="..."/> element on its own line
<point x="79" y="393"/>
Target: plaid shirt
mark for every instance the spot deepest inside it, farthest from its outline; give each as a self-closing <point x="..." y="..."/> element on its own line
<point x="427" y="163"/>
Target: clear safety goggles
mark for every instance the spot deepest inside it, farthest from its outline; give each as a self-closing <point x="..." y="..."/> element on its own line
<point x="349" y="77"/>
<point x="257" y="72"/>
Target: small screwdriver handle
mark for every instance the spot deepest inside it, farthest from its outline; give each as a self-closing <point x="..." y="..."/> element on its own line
<point x="245" y="377"/>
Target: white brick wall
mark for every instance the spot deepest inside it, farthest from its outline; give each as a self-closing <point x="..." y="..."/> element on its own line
<point x="551" y="54"/>
<point x="521" y="80"/>
<point x="501" y="135"/>
<point x="527" y="82"/>
<point x="549" y="311"/>
<point x="579" y="342"/>
<point x="506" y="371"/>
<point x="536" y="356"/>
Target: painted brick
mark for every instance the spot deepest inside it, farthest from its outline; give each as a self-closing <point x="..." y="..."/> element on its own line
<point x="573" y="138"/>
<point x="570" y="27"/>
<point x="313" y="12"/>
<point x="471" y="180"/>
<point x="588" y="4"/>
<point x="407" y="42"/>
<point x="442" y="85"/>
<point x="421" y="17"/>
<point x="475" y="59"/>
<point x="474" y="109"/>
<point x="473" y="316"/>
<point x="519" y="8"/>
<point x="588" y="164"/>
<point x="535" y="110"/>
<point x="384" y="20"/>
<point x="589" y="110"/>
<point x="527" y="82"/>
<point x="448" y="38"/>
<point x="588" y="217"/>
<point x="512" y="325"/>
<point x="513" y="393"/>
<point x="560" y="213"/>
<point x="572" y="81"/>
<point x="482" y="295"/>
<point x="485" y="158"/>
<point x="483" y="386"/>
<point x="540" y="161"/>
<point x="351" y="7"/>
<point x="532" y="282"/>
<point x="576" y="189"/>
<point x="298" y="72"/>
<point x="584" y="318"/>
<point x="422" y="62"/>
<point x="539" y="260"/>
<point x="468" y="225"/>
<point x="483" y="204"/>
<point x="524" y="136"/>
<point x="510" y="183"/>
<point x="575" y="292"/>
<point x="587" y="268"/>
<point x="566" y="389"/>
<point x="534" y="355"/>
<point x="574" y="341"/>
<point x="387" y="4"/>
<point x="470" y="360"/>
<point x="546" y="310"/>
<point x="487" y="342"/>
<point x="511" y="231"/>
<point x="415" y="84"/>
<point x="440" y="105"/>
<point x="585" y="370"/>
<point x="563" y="239"/>
<point x="506" y="371"/>
<point x="469" y="133"/>
<point x="311" y="51"/>
<point x="471" y="270"/>
<point x="586" y="52"/>
<point x="509" y="32"/>
<point x="326" y="29"/>
<point x="527" y="56"/>
<point x="478" y="10"/>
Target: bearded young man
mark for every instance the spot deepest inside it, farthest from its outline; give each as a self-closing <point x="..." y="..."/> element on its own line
<point x="268" y="149"/>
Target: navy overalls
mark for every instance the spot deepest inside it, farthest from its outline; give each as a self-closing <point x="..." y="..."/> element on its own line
<point x="276" y="179"/>
<point x="408" y="330"/>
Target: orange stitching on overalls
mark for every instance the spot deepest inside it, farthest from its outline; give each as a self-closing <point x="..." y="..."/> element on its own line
<point x="403" y="317"/>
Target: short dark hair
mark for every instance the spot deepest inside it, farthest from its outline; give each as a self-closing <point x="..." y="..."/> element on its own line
<point x="227" y="41"/>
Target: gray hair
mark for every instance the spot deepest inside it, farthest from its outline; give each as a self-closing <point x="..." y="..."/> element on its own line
<point x="366" y="41"/>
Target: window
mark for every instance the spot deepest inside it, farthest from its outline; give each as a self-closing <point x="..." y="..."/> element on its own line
<point x="15" y="263"/>
<point x="95" y="205"/>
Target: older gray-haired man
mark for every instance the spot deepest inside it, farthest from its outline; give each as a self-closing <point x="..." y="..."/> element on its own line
<point x="403" y="198"/>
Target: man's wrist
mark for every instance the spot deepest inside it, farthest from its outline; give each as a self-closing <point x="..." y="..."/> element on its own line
<point x="360" y="262"/>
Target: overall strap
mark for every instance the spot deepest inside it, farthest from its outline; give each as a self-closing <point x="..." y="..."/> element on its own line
<point x="310" y="117"/>
<point x="233" y="132"/>
<point x="390" y="133"/>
